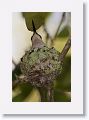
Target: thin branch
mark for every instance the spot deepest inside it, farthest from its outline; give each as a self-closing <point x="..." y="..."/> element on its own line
<point x="50" y="94"/>
<point x="47" y="93"/>
<point x="65" y="50"/>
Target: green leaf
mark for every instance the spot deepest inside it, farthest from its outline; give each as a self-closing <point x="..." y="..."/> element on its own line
<point x="37" y="17"/>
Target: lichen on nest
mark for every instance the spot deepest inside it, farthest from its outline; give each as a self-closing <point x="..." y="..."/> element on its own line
<point x="41" y="66"/>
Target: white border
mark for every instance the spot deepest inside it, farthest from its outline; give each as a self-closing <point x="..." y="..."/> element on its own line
<point x="73" y="107"/>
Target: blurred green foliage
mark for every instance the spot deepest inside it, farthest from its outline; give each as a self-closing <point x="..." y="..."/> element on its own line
<point x="25" y="91"/>
<point x="64" y="33"/>
<point x="60" y="96"/>
<point x="63" y="82"/>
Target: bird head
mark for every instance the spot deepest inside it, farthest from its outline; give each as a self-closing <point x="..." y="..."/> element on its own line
<point x="35" y="34"/>
<point x="36" y="38"/>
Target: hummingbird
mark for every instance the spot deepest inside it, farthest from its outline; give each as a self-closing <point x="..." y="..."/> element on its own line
<point x="40" y="65"/>
<point x="36" y="39"/>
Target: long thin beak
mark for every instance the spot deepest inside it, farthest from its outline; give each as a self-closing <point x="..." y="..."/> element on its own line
<point x="34" y="29"/>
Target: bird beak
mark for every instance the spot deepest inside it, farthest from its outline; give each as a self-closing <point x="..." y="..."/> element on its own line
<point x="34" y="29"/>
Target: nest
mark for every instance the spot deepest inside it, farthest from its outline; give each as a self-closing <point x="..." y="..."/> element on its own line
<point x="41" y="66"/>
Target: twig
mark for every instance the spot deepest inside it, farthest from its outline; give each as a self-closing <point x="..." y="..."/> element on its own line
<point x="65" y="50"/>
<point x="50" y="94"/>
<point x="47" y="94"/>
